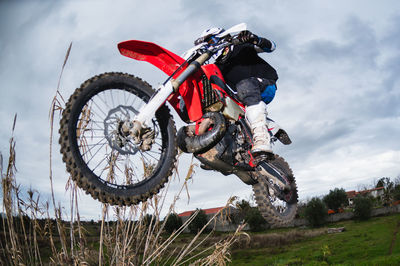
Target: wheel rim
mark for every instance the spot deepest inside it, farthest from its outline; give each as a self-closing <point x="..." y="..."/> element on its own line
<point x="109" y="154"/>
<point x="279" y="203"/>
<point x="282" y="204"/>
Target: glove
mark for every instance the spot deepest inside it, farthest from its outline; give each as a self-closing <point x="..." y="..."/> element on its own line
<point x="247" y="37"/>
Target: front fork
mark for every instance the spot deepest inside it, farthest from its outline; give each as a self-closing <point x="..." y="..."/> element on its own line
<point x="138" y="128"/>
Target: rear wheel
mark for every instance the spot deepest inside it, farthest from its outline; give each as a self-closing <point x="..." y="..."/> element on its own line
<point x="99" y="156"/>
<point x="276" y="192"/>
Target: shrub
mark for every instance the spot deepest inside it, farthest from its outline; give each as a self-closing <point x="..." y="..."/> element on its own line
<point x="362" y="207"/>
<point x="336" y="199"/>
<point x="315" y="212"/>
<point x="250" y="215"/>
<point x="243" y="208"/>
<point x="149" y="219"/>
<point x="301" y="206"/>
<point x="255" y="220"/>
<point x="174" y="222"/>
<point x="198" y="222"/>
<point x="396" y="192"/>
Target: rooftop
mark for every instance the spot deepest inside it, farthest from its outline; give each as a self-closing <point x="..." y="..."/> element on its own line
<point x="207" y="211"/>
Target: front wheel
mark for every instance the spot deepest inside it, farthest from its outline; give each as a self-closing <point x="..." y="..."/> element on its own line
<point x="276" y="192"/>
<point x="99" y="156"/>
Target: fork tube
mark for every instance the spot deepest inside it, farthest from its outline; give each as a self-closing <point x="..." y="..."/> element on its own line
<point x="147" y="112"/>
<point x="193" y="67"/>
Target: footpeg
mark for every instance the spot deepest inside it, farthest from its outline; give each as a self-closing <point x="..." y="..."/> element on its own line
<point x="262" y="157"/>
<point x="205" y="167"/>
<point x="283" y="137"/>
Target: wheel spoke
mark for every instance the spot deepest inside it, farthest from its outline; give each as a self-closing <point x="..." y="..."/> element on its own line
<point x="150" y="155"/>
<point x="84" y="145"/>
<point x="101" y="110"/>
<point x="94" y="169"/>
<point x="105" y="100"/>
<point x="112" y="98"/>
<point x="96" y="153"/>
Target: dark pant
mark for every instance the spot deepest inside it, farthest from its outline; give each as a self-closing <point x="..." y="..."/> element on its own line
<point x="251" y="91"/>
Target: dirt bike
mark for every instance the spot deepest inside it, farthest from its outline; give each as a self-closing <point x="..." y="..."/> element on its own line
<point x="119" y="142"/>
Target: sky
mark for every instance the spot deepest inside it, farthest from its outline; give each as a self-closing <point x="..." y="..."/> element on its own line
<point x="338" y="90"/>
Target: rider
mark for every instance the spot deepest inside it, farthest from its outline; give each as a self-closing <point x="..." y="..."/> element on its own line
<point x="254" y="80"/>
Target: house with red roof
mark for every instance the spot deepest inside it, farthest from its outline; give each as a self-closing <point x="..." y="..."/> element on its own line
<point x="207" y="211"/>
<point x="222" y="222"/>
<point x="375" y="192"/>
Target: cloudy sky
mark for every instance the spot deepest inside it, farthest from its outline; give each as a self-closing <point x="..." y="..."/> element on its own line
<point x="338" y="92"/>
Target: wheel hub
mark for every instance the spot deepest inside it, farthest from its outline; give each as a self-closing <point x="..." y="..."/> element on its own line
<point x="113" y="132"/>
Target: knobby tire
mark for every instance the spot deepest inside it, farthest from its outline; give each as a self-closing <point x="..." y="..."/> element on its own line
<point x="100" y="189"/>
<point x="271" y="214"/>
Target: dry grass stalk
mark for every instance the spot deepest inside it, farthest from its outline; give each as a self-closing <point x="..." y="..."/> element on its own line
<point x="49" y="230"/>
<point x="33" y="206"/>
<point x="103" y="217"/>
<point x="221" y="249"/>
<point x="21" y="228"/>
<point x="57" y="105"/>
<point x="188" y="249"/>
<point x="12" y="243"/>
<point x="80" y="243"/>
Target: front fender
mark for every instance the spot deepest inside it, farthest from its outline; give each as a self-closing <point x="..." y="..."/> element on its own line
<point x="167" y="62"/>
<point x="156" y="55"/>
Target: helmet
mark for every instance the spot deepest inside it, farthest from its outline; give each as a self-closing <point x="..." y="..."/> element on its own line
<point x="211" y="31"/>
<point x="209" y="35"/>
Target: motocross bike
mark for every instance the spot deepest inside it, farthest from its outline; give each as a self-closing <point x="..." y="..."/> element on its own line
<point x="119" y="142"/>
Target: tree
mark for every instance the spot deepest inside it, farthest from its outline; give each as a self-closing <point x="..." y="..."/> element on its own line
<point x="362" y="207"/>
<point x="198" y="222"/>
<point x="174" y="222"/>
<point x="149" y="219"/>
<point x="336" y="199"/>
<point x="255" y="220"/>
<point x="388" y="190"/>
<point x="243" y="208"/>
<point x="384" y="182"/>
<point x="251" y="215"/>
<point x="315" y="212"/>
<point x="396" y="192"/>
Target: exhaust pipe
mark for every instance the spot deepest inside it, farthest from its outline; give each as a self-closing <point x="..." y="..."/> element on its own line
<point x="189" y="142"/>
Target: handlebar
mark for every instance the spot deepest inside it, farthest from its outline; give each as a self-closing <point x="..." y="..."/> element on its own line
<point x="227" y="42"/>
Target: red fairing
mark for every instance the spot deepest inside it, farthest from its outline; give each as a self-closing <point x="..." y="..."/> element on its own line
<point x="168" y="62"/>
<point x="163" y="59"/>
<point x="212" y="69"/>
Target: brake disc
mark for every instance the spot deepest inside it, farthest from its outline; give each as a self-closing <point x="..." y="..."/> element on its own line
<point x="113" y="129"/>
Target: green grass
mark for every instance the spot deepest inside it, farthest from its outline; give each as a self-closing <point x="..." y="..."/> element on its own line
<point x="363" y="243"/>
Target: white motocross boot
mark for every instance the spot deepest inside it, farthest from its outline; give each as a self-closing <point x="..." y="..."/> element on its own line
<point x="256" y="115"/>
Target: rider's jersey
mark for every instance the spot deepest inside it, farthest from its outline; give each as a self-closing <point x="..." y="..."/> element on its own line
<point x="241" y="61"/>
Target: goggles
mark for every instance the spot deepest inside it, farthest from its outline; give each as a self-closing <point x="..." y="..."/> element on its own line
<point x="212" y="40"/>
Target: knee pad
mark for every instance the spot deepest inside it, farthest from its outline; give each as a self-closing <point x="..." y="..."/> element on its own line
<point x="269" y="93"/>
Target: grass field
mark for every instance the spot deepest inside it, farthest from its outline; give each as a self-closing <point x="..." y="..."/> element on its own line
<point x="374" y="242"/>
